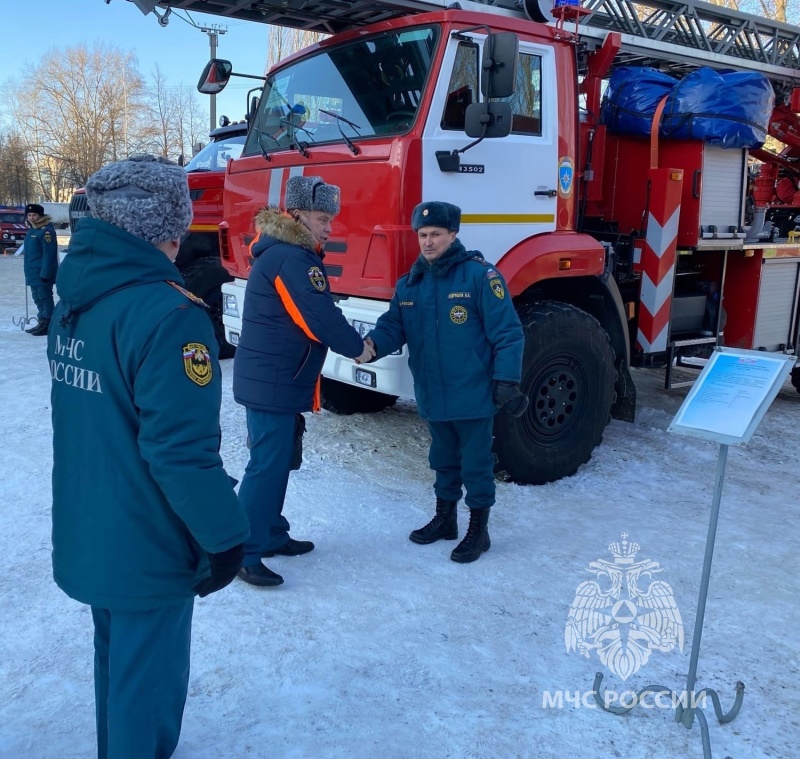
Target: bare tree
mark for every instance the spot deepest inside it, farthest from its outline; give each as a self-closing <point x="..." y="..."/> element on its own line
<point x="283" y="41"/>
<point x="172" y="120"/>
<point x="16" y="179"/>
<point x="74" y="112"/>
<point x="192" y="121"/>
<point x="160" y="129"/>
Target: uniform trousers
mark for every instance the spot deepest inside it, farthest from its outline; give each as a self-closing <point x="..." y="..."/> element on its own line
<point x="141" y="677"/>
<point x="263" y="487"/>
<point x="461" y="454"/>
<point x="42" y="295"/>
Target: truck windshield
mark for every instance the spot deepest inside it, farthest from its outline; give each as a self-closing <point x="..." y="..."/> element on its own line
<point x="376" y="83"/>
<point x="215" y="155"/>
<point x="12" y="218"/>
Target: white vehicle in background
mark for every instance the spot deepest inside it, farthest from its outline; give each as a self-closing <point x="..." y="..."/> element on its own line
<point x="58" y="213"/>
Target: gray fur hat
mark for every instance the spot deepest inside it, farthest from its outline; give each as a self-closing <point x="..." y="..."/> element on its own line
<point x="436" y="213"/>
<point x="312" y="194"/>
<point x="147" y="196"/>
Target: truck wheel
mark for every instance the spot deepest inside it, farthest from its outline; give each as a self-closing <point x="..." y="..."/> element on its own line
<point x="568" y="374"/>
<point x="204" y="278"/>
<point x="796" y="378"/>
<point x="341" y="398"/>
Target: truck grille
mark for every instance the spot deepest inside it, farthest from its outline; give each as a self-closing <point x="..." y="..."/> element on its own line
<point x="78" y="209"/>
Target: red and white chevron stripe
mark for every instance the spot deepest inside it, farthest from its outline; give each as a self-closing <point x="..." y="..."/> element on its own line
<point x="657" y="259"/>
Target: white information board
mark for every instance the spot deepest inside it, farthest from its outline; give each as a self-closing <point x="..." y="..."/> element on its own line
<point x="732" y="394"/>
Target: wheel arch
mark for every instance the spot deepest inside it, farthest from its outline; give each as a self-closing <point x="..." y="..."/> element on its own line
<point x="570" y="268"/>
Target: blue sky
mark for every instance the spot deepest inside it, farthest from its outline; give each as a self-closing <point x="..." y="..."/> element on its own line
<point x="181" y="51"/>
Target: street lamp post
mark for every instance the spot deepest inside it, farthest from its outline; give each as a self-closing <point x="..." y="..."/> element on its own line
<point x="212" y="32"/>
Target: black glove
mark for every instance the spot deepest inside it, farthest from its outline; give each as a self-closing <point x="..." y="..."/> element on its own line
<point x="507" y="396"/>
<point x="224" y="566"/>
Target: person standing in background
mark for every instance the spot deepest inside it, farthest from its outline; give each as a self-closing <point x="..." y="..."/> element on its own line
<point x="40" y="265"/>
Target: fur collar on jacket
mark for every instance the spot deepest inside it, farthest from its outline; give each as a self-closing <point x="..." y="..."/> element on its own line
<point x="43" y="221"/>
<point x="274" y="223"/>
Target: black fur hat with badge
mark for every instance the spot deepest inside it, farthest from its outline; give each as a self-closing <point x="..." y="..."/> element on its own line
<point x="436" y="213"/>
<point x="34" y="208"/>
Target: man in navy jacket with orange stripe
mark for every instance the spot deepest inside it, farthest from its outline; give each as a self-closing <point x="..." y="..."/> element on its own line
<point x="290" y="320"/>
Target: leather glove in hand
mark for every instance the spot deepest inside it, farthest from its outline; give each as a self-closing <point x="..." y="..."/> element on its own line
<point x="224" y="566"/>
<point x="507" y="396"/>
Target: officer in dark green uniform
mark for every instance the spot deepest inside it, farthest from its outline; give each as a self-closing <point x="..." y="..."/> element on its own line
<point x="144" y="515"/>
<point x="465" y="346"/>
<point x="40" y="265"/>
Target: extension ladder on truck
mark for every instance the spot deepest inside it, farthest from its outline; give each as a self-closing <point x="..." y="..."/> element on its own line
<point x="682" y="33"/>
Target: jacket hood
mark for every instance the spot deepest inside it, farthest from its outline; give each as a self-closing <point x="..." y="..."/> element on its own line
<point x="274" y="225"/>
<point x="43" y="221"/>
<point x="102" y="259"/>
<point x="455" y="254"/>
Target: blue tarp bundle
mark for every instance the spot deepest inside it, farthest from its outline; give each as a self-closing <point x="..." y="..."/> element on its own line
<point x="730" y="109"/>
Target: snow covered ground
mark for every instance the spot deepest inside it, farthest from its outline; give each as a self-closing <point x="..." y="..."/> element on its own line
<point x="376" y="647"/>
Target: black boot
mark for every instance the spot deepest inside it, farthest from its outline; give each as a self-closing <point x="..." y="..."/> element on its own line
<point x="34" y="327"/>
<point x="258" y="574"/>
<point x="41" y="328"/>
<point x="476" y="541"/>
<point x="444" y="526"/>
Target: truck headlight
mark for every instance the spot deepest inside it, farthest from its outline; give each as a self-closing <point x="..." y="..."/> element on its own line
<point x="363" y="328"/>
<point x="230" y="306"/>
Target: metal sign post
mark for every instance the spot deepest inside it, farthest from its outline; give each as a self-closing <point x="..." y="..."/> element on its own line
<point x="726" y="404"/>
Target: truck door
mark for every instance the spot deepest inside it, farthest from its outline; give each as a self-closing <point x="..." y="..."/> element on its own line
<point x="498" y="179"/>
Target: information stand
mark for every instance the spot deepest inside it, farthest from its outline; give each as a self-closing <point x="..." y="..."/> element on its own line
<point x="725" y="405"/>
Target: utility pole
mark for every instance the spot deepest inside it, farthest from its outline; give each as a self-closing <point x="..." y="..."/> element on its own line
<point x="212" y="32"/>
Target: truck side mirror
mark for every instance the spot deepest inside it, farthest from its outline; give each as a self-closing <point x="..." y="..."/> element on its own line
<point x="215" y="76"/>
<point x="495" y="118"/>
<point x="499" y="65"/>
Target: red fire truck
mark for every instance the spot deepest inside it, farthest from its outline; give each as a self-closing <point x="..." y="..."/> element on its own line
<point x="12" y="227"/>
<point x="612" y="246"/>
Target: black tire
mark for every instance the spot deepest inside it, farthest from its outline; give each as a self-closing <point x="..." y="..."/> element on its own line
<point x="341" y="398"/>
<point x="796" y="378"/>
<point x="568" y="374"/>
<point x="204" y="278"/>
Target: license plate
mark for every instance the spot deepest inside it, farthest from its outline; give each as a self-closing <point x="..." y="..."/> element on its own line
<point x="365" y="377"/>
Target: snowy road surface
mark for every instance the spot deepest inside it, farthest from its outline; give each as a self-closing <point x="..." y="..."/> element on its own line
<point x="377" y="647"/>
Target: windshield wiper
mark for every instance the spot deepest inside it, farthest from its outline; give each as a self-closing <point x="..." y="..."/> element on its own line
<point x="339" y="119"/>
<point x="194" y="171"/>
<point x="267" y="156"/>
<point x="291" y="128"/>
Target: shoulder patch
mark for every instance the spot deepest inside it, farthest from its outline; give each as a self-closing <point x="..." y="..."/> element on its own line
<point x="317" y="278"/>
<point x="491" y="274"/>
<point x="191" y="296"/>
<point x="48" y="238"/>
<point x="197" y="363"/>
<point x="497" y="287"/>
